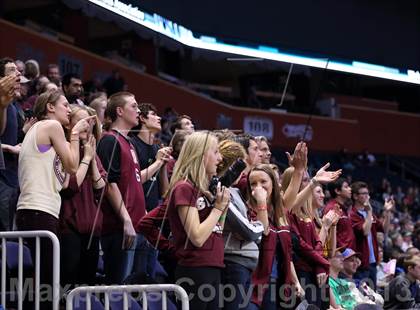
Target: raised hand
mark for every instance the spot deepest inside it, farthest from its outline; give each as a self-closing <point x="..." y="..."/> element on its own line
<point x="389" y="204"/>
<point x="367" y="205"/>
<point x="222" y="197"/>
<point x="7" y="90"/>
<point x="28" y="124"/>
<point x="90" y="148"/>
<point x="164" y="154"/>
<point x="299" y="160"/>
<point x="84" y="124"/>
<point x="323" y="176"/>
<point x="327" y="220"/>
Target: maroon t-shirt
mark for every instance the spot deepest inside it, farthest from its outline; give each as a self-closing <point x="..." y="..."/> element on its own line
<point x="129" y="184"/>
<point x="310" y="251"/>
<point x="345" y="234"/>
<point x="155" y="227"/>
<point x="211" y="254"/>
<point x="79" y="205"/>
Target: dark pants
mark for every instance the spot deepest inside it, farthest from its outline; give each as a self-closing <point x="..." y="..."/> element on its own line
<point x="118" y="262"/>
<point x="202" y="284"/>
<point x="367" y="275"/>
<point x="145" y="257"/>
<point x="8" y="200"/>
<point x="238" y="279"/>
<point x="318" y="296"/>
<point x="39" y="220"/>
<point x="79" y="260"/>
<point x="270" y="297"/>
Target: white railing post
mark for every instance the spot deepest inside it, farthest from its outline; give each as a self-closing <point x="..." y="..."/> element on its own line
<point x="37" y="234"/>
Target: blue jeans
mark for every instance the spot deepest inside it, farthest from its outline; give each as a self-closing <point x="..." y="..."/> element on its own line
<point x="118" y="263"/>
<point x="145" y="257"/>
<point x="239" y="277"/>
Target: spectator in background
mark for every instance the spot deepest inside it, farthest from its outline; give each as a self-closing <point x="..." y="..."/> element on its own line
<point x="37" y="85"/>
<point x="252" y="159"/>
<point x="383" y="274"/>
<point x="264" y="149"/>
<point x="153" y="174"/>
<point x="115" y="83"/>
<point x="183" y="122"/>
<point x="99" y="105"/>
<point x="170" y="115"/>
<point x="365" y="227"/>
<point x="397" y="242"/>
<point x="73" y="88"/>
<point x="341" y="195"/>
<point x="7" y="90"/>
<point x="407" y="242"/>
<point x="48" y="87"/>
<point x="31" y="69"/>
<point x="413" y="251"/>
<point x="9" y="184"/>
<point x="345" y="293"/>
<point x="53" y="74"/>
<point x="404" y="292"/>
<point x="93" y="87"/>
<point x="152" y="158"/>
<point x="366" y="158"/>
<point x="350" y="264"/>
<point x="177" y="142"/>
<point x="399" y="196"/>
<point x="20" y="65"/>
<point x="165" y="135"/>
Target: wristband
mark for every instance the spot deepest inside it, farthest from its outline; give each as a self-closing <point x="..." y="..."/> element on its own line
<point x="221" y="210"/>
<point x="83" y="162"/>
<point x="262" y="208"/>
<point x="96" y="181"/>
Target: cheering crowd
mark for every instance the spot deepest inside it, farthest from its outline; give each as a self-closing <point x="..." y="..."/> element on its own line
<point x="208" y="208"/>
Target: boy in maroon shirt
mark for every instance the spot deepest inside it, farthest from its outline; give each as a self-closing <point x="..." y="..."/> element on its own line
<point x="341" y="194"/>
<point x="365" y="226"/>
<point x="124" y="205"/>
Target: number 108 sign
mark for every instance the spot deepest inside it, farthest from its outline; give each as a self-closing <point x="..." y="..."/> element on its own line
<point x="258" y="126"/>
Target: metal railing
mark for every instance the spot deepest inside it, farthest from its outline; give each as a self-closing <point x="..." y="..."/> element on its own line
<point x="126" y="290"/>
<point x="37" y="234"/>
